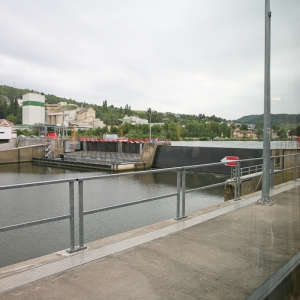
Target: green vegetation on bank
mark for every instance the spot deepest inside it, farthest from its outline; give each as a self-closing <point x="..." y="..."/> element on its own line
<point x="166" y="125"/>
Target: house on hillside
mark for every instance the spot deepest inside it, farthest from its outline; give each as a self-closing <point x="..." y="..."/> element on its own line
<point x="134" y="120"/>
<point x="237" y="133"/>
<point x="6" y="130"/>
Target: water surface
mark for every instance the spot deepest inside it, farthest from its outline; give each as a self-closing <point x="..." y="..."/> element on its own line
<point x="35" y="203"/>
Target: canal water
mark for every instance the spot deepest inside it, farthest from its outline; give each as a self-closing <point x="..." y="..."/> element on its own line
<point x="237" y="144"/>
<point x="35" y="203"/>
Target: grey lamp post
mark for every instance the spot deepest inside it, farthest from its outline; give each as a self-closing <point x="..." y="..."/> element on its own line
<point x="150" y="124"/>
<point x="265" y="199"/>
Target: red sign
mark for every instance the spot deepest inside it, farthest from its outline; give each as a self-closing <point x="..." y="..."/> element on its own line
<point x="51" y="135"/>
<point x="230" y="160"/>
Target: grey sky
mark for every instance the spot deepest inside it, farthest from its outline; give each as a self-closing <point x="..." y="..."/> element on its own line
<point x="203" y="56"/>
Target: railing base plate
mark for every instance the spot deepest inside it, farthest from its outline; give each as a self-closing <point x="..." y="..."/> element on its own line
<point x="266" y="203"/>
<point x="76" y="249"/>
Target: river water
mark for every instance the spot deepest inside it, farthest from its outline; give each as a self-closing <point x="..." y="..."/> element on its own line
<point x="237" y="144"/>
<point x="35" y="203"/>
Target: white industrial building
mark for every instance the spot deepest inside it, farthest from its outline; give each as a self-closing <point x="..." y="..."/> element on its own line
<point x="76" y="118"/>
<point x="6" y="130"/>
<point x="33" y="109"/>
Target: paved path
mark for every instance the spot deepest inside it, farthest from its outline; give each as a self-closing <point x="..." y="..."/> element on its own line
<point x="224" y="252"/>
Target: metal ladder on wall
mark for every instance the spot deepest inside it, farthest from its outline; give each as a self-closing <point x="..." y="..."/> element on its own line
<point x="47" y="151"/>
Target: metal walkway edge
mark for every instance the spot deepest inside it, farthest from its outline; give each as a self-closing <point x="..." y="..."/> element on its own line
<point x="13" y="281"/>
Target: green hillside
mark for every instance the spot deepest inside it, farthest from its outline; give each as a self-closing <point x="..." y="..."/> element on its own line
<point x="111" y="114"/>
<point x="281" y="120"/>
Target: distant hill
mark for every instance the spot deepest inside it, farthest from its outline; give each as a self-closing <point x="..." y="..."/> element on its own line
<point x="15" y="93"/>
<point x="8" y="93"/>
<point x="276" y="119"/>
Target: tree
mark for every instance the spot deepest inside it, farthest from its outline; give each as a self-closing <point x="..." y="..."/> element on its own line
<point x="114" y="129"/>
<point x="225" y="130"/>
<point x="178" y="131"/>
<point x="244" y="127"/>
<point x="172" y="131"/>
<point x="156" y="130"/>
<point x="259" y="130"/>
<point x="104" y="106"/>
<point x="12" y="118"/>
<point x="282" y="134"/>
<point x="295" y="131"/>
<point x="149" y="115"/>
<point x="126" y="128"/>
<point x="3" y="109"/>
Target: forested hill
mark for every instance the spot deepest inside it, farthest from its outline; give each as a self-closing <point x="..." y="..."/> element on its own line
<point x="110" y="114"/>
<point x="276" y="119"/>
<point x="15" y="93"/>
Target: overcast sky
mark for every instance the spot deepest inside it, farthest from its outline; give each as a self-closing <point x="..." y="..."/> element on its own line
<point x="188" y="56"/>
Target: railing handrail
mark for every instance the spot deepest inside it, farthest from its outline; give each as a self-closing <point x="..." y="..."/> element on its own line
<point x="180" y="193"/>
<point x="70" y="216"/>
<point x="37" y="183"/>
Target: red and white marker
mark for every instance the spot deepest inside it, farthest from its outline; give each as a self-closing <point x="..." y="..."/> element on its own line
<point x="230" y="161"/>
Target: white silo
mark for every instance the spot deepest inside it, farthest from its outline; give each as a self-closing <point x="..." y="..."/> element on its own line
<point x="33" y="109"/>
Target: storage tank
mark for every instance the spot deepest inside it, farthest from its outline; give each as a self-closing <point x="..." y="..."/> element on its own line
<point x="33" y="109"/>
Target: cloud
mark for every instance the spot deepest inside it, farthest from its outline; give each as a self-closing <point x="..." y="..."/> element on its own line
<point x="186" y="57"/>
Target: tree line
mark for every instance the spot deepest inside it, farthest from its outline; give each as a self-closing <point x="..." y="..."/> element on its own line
<point x="164" y="125"/>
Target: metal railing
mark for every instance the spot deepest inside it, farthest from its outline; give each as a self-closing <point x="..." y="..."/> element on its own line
<point x="285" y="145"/>
<point x="250" y="170"/>
<point x="70" y="216"/>
<point x="179" y="193"/>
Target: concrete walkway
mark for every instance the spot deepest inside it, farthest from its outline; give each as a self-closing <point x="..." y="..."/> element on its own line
<point x="223" y="252"/>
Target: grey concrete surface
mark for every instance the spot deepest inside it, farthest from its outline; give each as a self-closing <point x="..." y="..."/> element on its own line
<point x="225" y="257"/>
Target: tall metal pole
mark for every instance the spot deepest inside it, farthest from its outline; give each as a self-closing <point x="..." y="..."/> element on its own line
<point x="150" y="128"/>
<point x="150" y="124"/>
<point x="265" y="199"/>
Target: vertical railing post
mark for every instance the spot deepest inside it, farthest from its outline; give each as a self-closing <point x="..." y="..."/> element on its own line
<point x="272" y="173"/>
<point x="72" y="218"/>
<point x="295" y="168"/>
<point x="80" y="208"/>
<point x="239" y="180"/>
<point x="183" y="174"/>
<point x="178" y="195"/>
<point x="235" y="182"/>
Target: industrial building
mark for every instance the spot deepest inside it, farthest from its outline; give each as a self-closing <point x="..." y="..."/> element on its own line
<point x="33" y="109"/>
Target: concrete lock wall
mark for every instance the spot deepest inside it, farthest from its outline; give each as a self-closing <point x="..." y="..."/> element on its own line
<point x="178" y="156"/>
<point x="124" y="147"/>
<point x="23" y="154"/>
<point x="9" y="156"/>
<point x="148" y="154"/>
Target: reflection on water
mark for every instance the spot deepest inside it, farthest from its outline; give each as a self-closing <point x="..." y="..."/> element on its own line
<point x="34" y="203"/>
